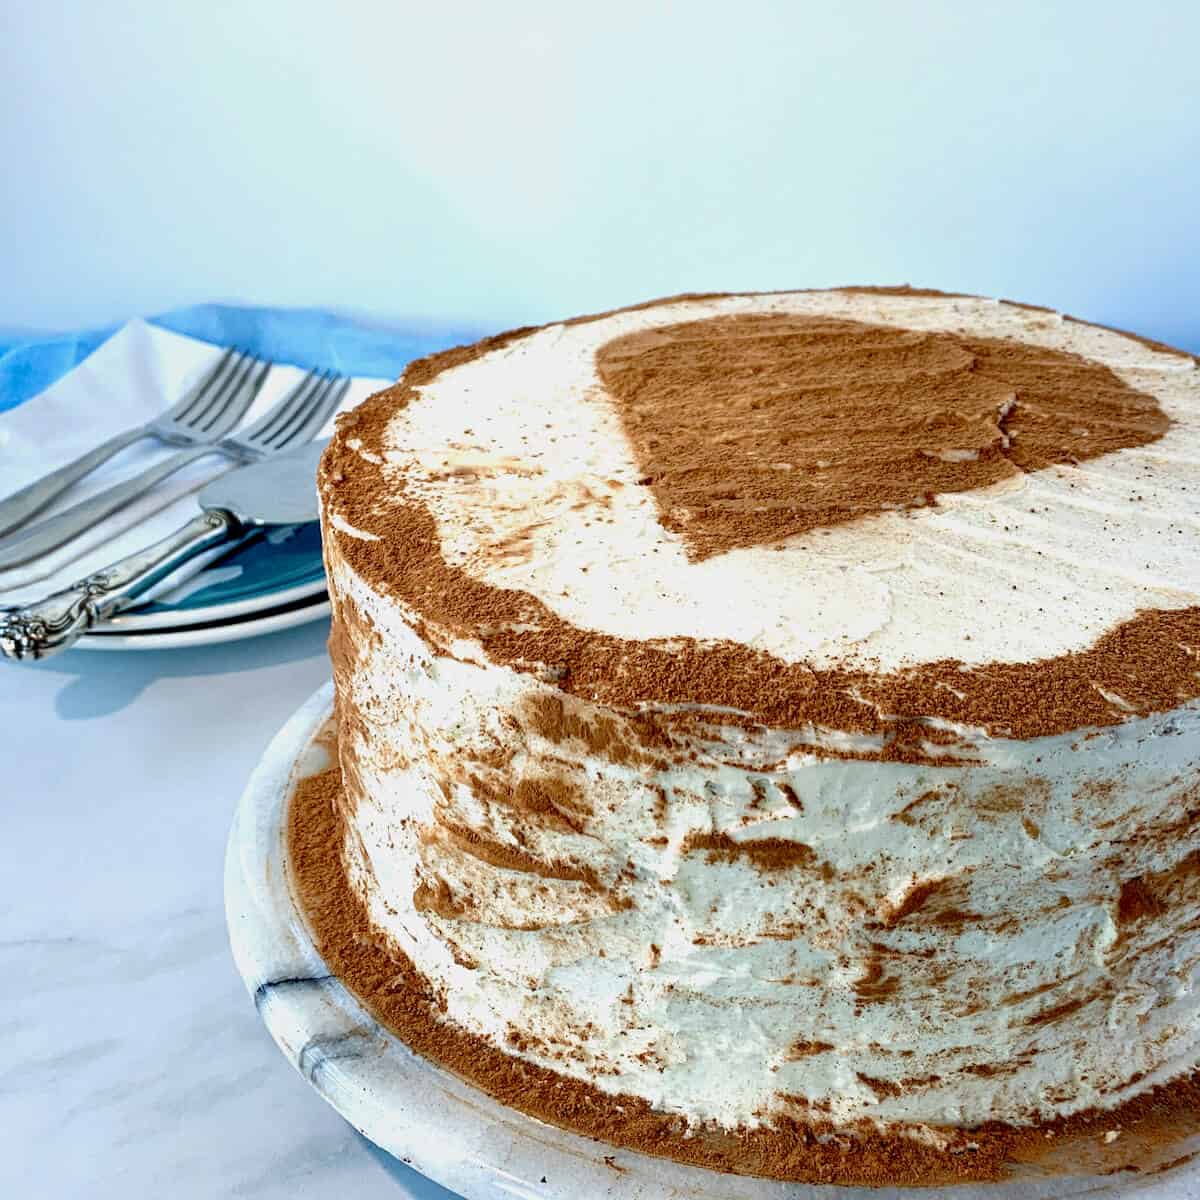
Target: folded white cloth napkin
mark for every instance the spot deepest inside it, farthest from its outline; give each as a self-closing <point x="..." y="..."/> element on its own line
<point x="137" y="373"/>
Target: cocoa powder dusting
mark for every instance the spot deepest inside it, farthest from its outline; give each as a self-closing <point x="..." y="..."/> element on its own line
<point x="1153" y="893"/>
<point x="1149" y="661"/>
<point x="789" y="794"/>
<point x="912" y="900"/>
<point x="875" y="984"/>
<point x="883" y="1088"/>
<point x="806" y="1049"/>
<point x="751" y="429"/>
<point x="547" y="800"/>
<point x="513" y="858"/>
<point x="1137" y="901"/>
<point x="803" y="1148"/>
<point x="766" y="854"/>
<point x="435" y="896"/>
<point x="553" y="719"/>
<point x="1049" y="1016"/>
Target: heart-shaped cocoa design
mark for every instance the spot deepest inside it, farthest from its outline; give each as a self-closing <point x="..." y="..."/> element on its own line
<point x="750" y="429"/>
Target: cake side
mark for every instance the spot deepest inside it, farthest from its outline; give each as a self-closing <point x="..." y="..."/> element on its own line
<point x="1151" y="1134"/>
<point x="735" y="927"/>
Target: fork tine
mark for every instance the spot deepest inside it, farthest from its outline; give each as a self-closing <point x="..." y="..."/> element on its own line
<point x="297" y="420"/>
<point x="201" y="389"/>
<point x="237" y="405"/>
<point x="229" y="390"/>
<point x="220" y="387"/>
<point x="262" y="429"/>
<point x="328" y="403"/>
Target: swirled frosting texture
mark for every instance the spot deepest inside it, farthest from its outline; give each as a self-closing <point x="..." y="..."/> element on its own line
<point x="761" y="930"/>
<point x="671" y="887"/>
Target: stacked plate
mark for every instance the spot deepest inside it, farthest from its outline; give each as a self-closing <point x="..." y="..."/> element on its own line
<point x="269" y="584"/>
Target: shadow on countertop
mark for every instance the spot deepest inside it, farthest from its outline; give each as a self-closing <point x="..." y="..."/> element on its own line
<point x="104" y="682"/>
<point x="412" y="1183"/>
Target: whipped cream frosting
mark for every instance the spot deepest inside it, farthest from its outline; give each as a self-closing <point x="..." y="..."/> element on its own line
<point x="737" y="921"/>
<point x="947" y="945"/>
<point x="521" y="458"/>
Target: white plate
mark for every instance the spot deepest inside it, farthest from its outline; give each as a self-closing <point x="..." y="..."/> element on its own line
<point x="203" y="635"/>
<point x="128" y="622"/>
<point x="432" y="1121"/>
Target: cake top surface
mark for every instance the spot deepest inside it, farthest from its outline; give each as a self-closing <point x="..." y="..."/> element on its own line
<point x="857" y="508"/>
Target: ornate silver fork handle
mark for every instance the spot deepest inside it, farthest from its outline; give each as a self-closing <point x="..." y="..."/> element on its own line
<point x="50" y="625"/>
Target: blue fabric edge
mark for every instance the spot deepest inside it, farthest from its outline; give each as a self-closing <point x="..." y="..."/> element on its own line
<point x="307" y="338"/>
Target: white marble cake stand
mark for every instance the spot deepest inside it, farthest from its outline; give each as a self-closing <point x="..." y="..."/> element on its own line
<point x="431" y="1120"/>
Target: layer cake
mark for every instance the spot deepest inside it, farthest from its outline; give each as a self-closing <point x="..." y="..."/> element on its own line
<point x="768" y="731"/>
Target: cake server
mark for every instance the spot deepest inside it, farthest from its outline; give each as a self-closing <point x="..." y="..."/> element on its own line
<point x="280" y="490"/>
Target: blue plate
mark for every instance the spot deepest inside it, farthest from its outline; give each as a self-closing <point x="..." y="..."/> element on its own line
<point x="277" y="568"/>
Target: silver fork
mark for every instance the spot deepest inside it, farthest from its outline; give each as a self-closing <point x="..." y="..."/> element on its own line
<point x="209" y="409"/>
<point x="298" y="417"/>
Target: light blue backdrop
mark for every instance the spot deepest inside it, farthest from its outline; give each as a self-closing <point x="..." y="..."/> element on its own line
<point x="492" y="164"/>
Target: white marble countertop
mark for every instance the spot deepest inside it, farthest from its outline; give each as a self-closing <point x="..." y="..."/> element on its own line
<point x="133" y="1061"/>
